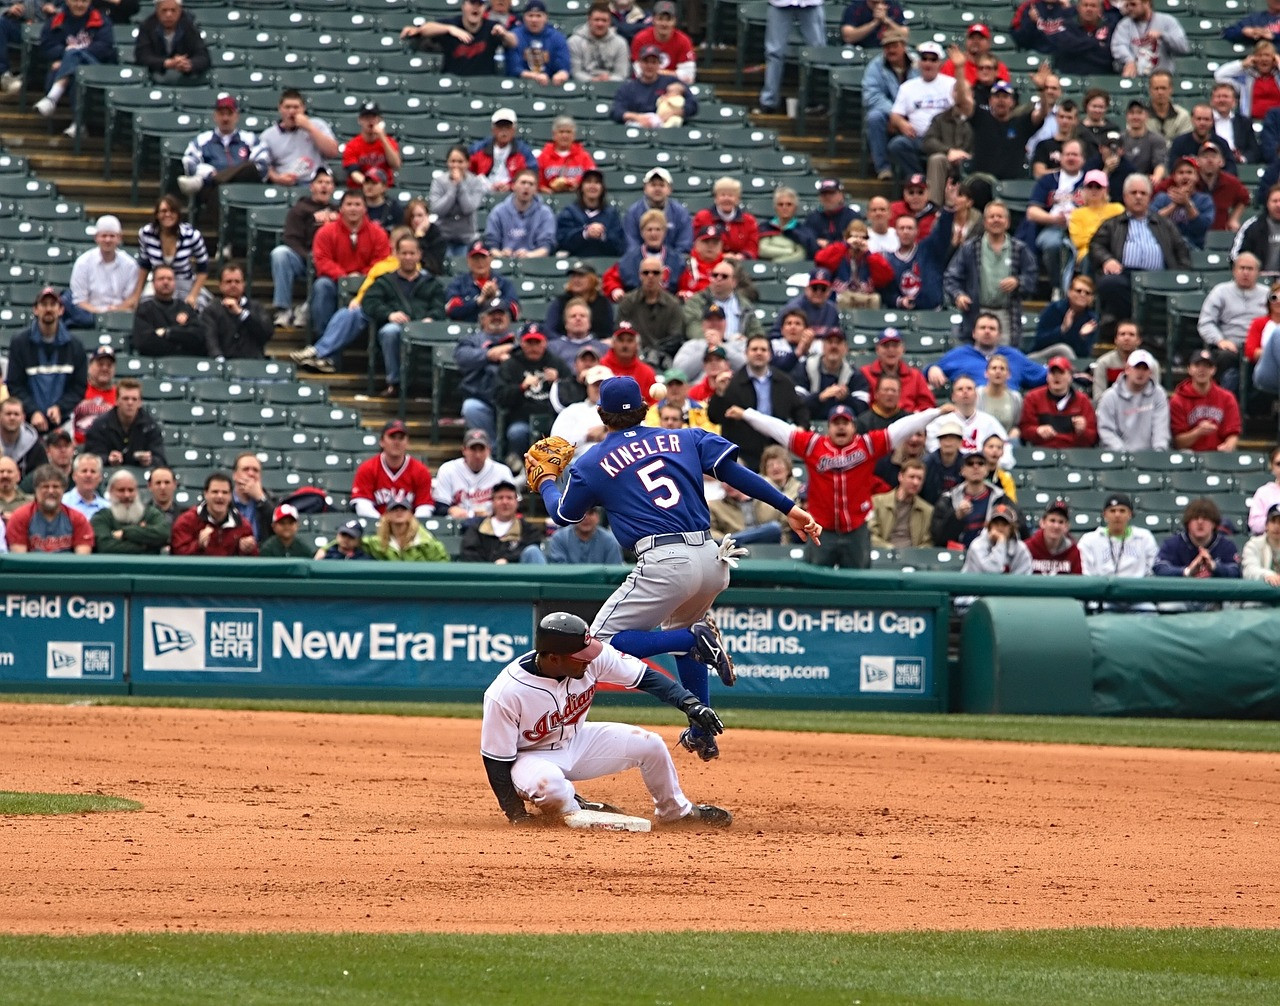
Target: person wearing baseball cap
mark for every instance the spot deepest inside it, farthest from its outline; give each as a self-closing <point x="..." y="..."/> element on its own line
<point x="1191" y="210"/>
<point x="463" y="487"/>
<point x="998" y="549"/>
<point x="470" y="41"/>
<point x="474" y="291"/>
<point x="977" y="55"/>
<point x="676" y="51"/>
<point x="1053" y="551"/>
<point x="579" y="418"/>
<point x="999" y="135"/>
<point x="814" y="302"/>
<point x="221" y="155"/>
<point x="346" y="544"/>
<point x="523" y="388"/>
<point x="284" y="542"/>
<point x="1117" y="547"/>
<point x="961" y="512"/>
<point x="1216" y="426"/>
<point x="371" y="148"/>
<point x="1133" y="414"/>
<point x="503" y="155"/>
<point x="390" y="475"/>
<point x="708" y="252"/>
<point x="678" y="240"/>
<point x="1260" y="559"/>
<point x="636" y="101"/>
<point x="1058" y="414"/>
<point x="919" y="100"/>
<point x="826" y="225"/>
<point x="47" y="371"/>
<point x="541" y="53"/>
<point x="915" y="203"/>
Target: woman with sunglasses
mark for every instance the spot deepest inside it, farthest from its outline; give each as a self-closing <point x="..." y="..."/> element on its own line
<point x="1071" y="321"/>
<point x="170" y="240"/>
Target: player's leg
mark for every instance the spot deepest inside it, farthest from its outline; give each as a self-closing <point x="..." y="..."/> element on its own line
<point x="601" y="749"/>
<point x="540" y="777"/>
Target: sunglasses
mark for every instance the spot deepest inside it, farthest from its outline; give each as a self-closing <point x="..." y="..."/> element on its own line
<point x="650" y="272"/>
<point x="928" y="58"/>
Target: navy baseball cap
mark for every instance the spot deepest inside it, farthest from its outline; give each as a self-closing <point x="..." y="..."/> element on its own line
<point x="1002" y="87"/>
<point x="620" y="394"/>
<point x="840" y="412"/>
<point x="889" y="335"/>
<point x="352" y="527"/>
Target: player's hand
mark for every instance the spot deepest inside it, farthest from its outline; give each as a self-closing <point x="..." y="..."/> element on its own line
<point x="704" y="717"/>
<point x="803" y="524"/>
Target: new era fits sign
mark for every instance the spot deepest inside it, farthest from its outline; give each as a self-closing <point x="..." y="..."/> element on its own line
<point x="202" y="639"/>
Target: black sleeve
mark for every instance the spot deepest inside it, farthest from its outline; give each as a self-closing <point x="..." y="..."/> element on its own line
<point x="504" y="789"/>
<point x="666" y="690"/>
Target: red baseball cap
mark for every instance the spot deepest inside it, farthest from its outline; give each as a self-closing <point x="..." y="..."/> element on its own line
<point x="1060" y="363"/>
<point x="979" y="29"/>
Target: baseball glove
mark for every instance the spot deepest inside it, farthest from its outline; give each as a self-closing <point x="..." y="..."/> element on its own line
<point x="546" y="460"/>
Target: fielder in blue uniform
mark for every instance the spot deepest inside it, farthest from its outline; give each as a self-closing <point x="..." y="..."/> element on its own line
<point x="649" y="480"/>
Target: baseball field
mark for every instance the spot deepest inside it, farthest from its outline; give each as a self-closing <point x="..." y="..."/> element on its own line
<point x="358" y="856"/>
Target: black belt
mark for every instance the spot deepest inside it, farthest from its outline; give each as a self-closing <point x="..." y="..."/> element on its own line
<point x="678" y="538"/>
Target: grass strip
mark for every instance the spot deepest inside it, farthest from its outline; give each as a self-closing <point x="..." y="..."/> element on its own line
<point x="62" y="803"/>
<point x="1096" y="966"/>
<point x="1220" y="735"/>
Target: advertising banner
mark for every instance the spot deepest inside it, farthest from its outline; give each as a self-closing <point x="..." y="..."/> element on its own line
<point x="354" y="643"/>
<point x="833" y="652"/>
<point x="63" y="637"/>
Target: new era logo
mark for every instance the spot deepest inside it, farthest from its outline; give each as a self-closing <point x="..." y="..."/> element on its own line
<point x="170" y="639"/>
<point x="62" y="659"/>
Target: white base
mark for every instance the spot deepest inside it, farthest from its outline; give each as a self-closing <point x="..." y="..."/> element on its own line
<point x="599" y="820"/>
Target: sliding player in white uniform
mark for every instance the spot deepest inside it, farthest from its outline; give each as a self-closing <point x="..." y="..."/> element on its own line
<point x="535" y="740"/>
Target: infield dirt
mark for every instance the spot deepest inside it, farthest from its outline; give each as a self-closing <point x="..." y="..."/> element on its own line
<point x="293" y="822"/>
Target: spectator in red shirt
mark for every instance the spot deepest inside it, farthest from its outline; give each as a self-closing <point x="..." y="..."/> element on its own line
<point x="392" y="475"/>
<point x="915" y="395"/>
<point x="348" y="246"/>
<point x="371" y="148"/>
<point x="563" y="160"/>
<point x="1056" y="414"/>
<point x="915" y="202"/>
<point x="623" y="359"/>
<point x="46" y="524"/>
<point x="708" y="252"/>
<point x="741" y="230"/>
<point x="99" y="394"/>
<point x="1203" y="415"/>
<point x="977" y="43"/>
<point x="841" y="467"/>
<point x="677" y="53"/>
<point x="1053" y="551"/>
<point x="1229" y="195"/>
<point x="214" y="527"/>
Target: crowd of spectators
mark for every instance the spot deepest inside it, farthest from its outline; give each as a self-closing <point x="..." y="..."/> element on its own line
<point x="947" y="125"/>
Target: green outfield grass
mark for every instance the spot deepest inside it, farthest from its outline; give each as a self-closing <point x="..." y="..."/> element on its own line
<point x="1096" y="966"/>
<point x="1224" y="735"/>
<point x="62" y="803"/>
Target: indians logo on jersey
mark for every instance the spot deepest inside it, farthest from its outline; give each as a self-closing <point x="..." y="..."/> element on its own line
<point x="842" y="462"/>
<point x="575" y="708"/>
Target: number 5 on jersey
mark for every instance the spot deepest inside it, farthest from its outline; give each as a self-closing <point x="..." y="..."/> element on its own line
<point x="658" y="484"/>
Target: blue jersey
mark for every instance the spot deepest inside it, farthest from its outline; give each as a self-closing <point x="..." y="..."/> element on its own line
<point x="648" y="479"/>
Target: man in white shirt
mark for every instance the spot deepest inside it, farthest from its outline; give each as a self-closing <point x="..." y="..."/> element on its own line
<point x="463" y="487"/>
<point x="104" y="278"/>
<point x="1117" y="548"/>
<point x="1052" y="213"/>
<point x="882" y="237"/>
<point x="919" y="100"/>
